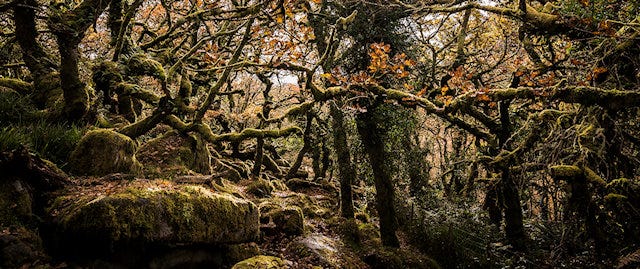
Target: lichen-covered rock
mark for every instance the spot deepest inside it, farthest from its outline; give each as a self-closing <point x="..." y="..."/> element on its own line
<point x="151" y="214"/>
<point x="101" y="152"/>
<point x="175" y="154"/>
<point x="260" y="188"/>
<point x="281" y="219"/>
<point x="261" y="262"/>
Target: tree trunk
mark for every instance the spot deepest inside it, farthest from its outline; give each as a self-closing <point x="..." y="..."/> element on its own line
<point x="347" y="172"/>
<point x="42" y="69"/>
<point x="76" y="98"/>
<point x="511" y="198"/>
<point x="306" y="137"/>
<point x="374" y="147"/>
<point x="512" y="211"/>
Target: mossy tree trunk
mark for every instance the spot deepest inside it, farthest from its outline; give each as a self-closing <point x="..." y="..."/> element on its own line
<point x="306" y="146"/>
<point x="345" y="167"/>
<point x="76" y="98"/>
<point x="266" y="110"/>
<point x="514" y="228"/>
<point x="374" y="146"/>
<point x="69" y="28"/>
<point x="35" y="58"/>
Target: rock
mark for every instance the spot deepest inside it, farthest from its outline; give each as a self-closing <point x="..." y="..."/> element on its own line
<point x="25" y="182"/>
<point x="318" y="249"/>
<point x="102" y="152"/>
<point x="239" y="252"/>
<point x="261" y="262"/>
<point x="20" y="248"/>
<point x="152" y="214"/>
<point x="15" y="203"/>
<point x="175" y="154"/>
<point x="288" y="219"/>
<point x="260" y="188"/>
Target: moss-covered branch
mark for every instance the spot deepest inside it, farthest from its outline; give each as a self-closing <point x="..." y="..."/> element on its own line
<point x="257" y="133"/>
<point x="18" y="85"/>
<point x="575" y="173"/>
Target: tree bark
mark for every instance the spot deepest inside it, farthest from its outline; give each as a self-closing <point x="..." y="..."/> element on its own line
<point x="347" y="172"/>
<point x="374" y="147"/>
<point x="35" y="58"/>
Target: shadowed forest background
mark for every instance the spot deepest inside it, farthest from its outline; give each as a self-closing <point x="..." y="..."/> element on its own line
<point x="319" y="133"/>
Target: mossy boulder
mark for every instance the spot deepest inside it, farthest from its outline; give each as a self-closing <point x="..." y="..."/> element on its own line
<point x="175" y="154"/>
<point x="151" y="214"/>
<point x="261" y="262"/>
<point x="101" y="152"/>
<point x="260" y="188"/>
<point x="21" y="248"/>
<point x="281" y="219"/>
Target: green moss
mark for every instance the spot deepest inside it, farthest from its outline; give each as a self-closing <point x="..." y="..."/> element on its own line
<point x="566" y="172"/>
<point x="261" y="262"/>
<point x="139" y="65"/>
<point x="103" y="151"/>
<point x="155" y="214"/>
<point x="290" y="220"/>
<point x="260" y="188"/>
<point x="174" y="154"/>
<point x="614" y="197"/>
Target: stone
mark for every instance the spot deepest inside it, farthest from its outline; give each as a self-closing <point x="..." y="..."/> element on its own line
<point x="102" y="152"/>
<point x="151" y="214"/>
<point x="175" y="154"/>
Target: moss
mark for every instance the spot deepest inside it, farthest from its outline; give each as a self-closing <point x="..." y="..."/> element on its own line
<point x="260" y="188"/>
<point x="15" y="204"/>
<point x="362" y="217"/>
<point x="175" y="154"/>
<point x="614" y="197"/>
<point x="153" y="214"/>
<point x="139" y="65"/>
<point x="238" y="252"/>
<point x="279" y="185"/>
<point x="261" y="262"/>
<point x="103" y="151"/>
<point x="290" y="220"/>
<point x="566" y="172"/>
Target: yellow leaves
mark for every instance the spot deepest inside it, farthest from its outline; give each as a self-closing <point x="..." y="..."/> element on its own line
<point x="381" y="63"/>
<point x="279" y="19"/>
<point x="317" y="1"/>
<point x="444" y="90"/>
<point x="584" y="2"/>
